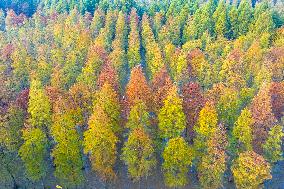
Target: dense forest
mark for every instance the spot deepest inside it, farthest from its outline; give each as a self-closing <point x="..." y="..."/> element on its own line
<point x="96" y="94"/>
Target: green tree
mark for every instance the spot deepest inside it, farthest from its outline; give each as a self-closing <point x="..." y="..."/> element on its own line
<point x="34" y="152"/>
<point x="242" y="131"/>
<point x="139" y="117"/>
<point x="39" y="107"/>
<point x="11" y="128"/>
<point x="273" y="145"/>
<point x="233" y="16"/>
<point x="138" y="154"/>
<point x="133" y="52"/>
<point x="177" y="159"/>
<point x="97" y="22"/>
<point x="221" y="20"/>
<point x="172" y="120"/>
<point x="244" y="17"/>
<point x="67" y="151"/>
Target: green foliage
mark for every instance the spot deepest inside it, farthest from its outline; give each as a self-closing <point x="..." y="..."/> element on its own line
<point x="242" y="131"/>
<point x="10" y="129"/>
<point x="34" y="152"/>
<point x="273" y="145"/>
<point x="172" y="120"/>
<point x="138" y="154"/>
<point x="244" y="17"/>
<point x="67" y="151"/>
<point x="39" y="107"/>
<point x="133" y="53"/>
<point x="177" y="158"/>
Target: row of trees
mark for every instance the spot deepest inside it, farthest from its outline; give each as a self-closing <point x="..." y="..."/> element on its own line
<point x="161" y="90"/>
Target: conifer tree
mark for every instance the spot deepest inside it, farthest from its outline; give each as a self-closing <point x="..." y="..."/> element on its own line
<point x="97" y="22"/>
<point x="133" y="53"/>
<point x="205" y="127"/>
<point x="161" y="84"/>
<point x="67" y="151"/>
<point x="137" y="88"/>
<point x="177" y="158"/>
<point x="96" y="57"/>
<point x="242" y="131"/>
<point x="138" y="154"/>
<point x="100" y="144"/>
<point x="107" y="99"/>
<point x="171" y="118"/>
<point x="263" y="117"/>
<point x="118" y="59"/>
<point x="273" y="144"/>
<point x="193" y="101"/>
<point x="39" y="107"/>
<point x="139" y="117"/>
<point x="253" y="166"/>
<point x="213" y="164"/>
<point x="34" y="152"/>
<point x="244" y="17"/>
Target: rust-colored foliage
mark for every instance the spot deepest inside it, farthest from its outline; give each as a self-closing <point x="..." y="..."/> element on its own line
<point x="7" y="51"/>
<point x="261" y="110"/>
<point x="193" y="60"/>
<point x="82" y="96"/>
<point x="23" y="99"/>
<point x="276" y="58"/>
<point x="14" y="20"/>
<point x="193" y="101"/>
<point x="53" y="94"/>
<point x="277" y="99"/>
<point x="108" y="74"/>
<point x="161" y="84"/>
<point x="137" y="88"/>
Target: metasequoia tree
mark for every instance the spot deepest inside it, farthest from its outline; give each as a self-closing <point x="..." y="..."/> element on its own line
<point x="161" y="84"/>
<point x="253" y="166"/>
<point x="133" y="53"/>
<point x="137" y="88"/>
<point x="193" y="101"/>
<point x="263" y="117"/>
<point x="242" y="131"/>
<point x="171" y="118"/>
<point x="212" y="165"/>
<point x="177" y="158"/>
<point x="138" y="154"/>
<point x="100" y="144"/>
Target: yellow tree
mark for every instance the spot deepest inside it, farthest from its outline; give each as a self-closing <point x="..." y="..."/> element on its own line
<point x="250" y="170"/>
<point x="177" y="159"/>
<point x="100" y="144"/>
<point x="172" y="120"/>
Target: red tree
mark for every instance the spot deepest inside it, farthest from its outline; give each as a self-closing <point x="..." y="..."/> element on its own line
<point x="277" y="99"/>
<point x="161" y="84"/>
<point x="193" y="101"/>
<point x="108" y="74"/>
<point x="262" y="114"/>
<point x="137" y="88"/>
